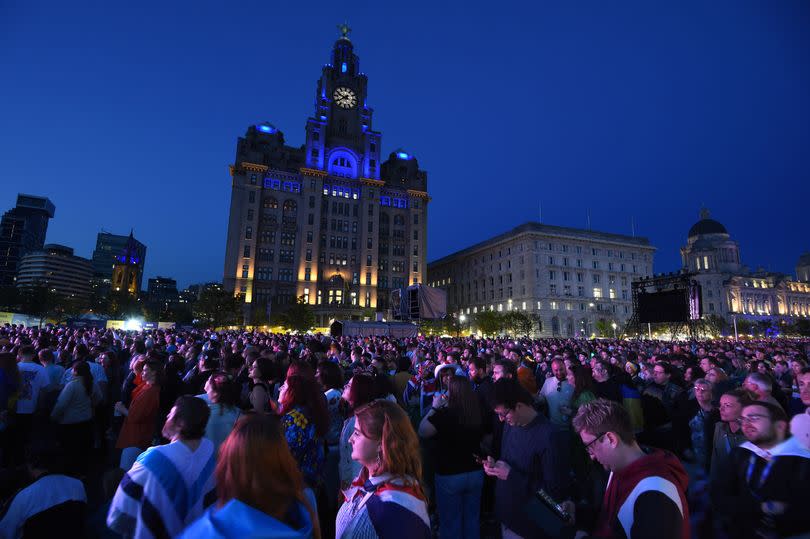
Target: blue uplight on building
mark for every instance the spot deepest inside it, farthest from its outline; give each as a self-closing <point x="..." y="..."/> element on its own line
<point x="266" y="129"/>
<point x="323" y="118"/>
<point x="343" y="67"/>
<point x="403" y="155"/>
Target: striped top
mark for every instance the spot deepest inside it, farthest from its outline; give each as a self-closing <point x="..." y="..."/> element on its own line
<point x="384" y="507"/>
<point x="167" y="488"/>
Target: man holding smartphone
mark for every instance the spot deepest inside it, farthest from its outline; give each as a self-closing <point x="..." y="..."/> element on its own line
<point x="534" y="455"/>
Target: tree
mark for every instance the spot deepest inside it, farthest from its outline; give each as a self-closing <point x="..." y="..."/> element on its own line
<point x="517" y="323"/>
<point x="299" y="316"/>
<point x="10" y="298"/>
<point x="122" y="305"/>
<point x="603" y="328"/>
<point x="217" y="308"/>
<point x="489" y="322"/>
<point x="715" y="324"/>
<point x="39" y="301"/>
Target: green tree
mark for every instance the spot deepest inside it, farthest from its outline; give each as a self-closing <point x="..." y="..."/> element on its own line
<point x="122" y="305"/>
<point x="603" y="328"/>
<point x="39" y="301"/>
<point x="517" y="323"/>
<point x="217" y="308"/>
<point x="489" y="322"/>
<point x="10" y="298"/>
<point x="297" y="317"/>
<point x="715" y="324"/>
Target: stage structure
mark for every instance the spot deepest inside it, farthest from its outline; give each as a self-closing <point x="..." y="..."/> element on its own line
<point x="673" y="299"/>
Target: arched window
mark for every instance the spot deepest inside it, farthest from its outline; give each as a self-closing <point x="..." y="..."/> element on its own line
<point x="290" y="207"/>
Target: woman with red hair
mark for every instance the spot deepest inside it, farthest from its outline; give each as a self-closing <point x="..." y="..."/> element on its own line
<point x="386" y="499"/>
<point x="305" y="419"/>
<point x="260" y="490"/>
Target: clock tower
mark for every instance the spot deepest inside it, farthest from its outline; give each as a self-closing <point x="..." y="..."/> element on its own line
<point x="340" y="138"/>
<point x="327" y="222"/>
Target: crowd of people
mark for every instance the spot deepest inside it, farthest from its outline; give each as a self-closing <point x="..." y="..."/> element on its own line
<point x="202" y="433"/>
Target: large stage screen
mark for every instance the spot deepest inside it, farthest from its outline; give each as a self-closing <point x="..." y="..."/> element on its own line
<point x="669" y="306"/>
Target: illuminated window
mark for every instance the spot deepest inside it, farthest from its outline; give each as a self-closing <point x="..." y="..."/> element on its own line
<point x="597" y="292"/>
<point x="705" y="262"/>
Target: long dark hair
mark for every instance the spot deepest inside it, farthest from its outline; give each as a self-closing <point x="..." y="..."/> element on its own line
<point x="82" y="370"/>
<point x="583" y="381"/>
<point x="462" y="399"/>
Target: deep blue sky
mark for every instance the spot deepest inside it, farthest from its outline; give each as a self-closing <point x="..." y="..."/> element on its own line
<point x="126" y="114"/>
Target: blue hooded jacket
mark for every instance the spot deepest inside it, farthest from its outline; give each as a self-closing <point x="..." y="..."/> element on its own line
<point x="238" y="520"/>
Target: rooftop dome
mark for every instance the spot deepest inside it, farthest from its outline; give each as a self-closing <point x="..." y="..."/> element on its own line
<point x="706" y="226"/>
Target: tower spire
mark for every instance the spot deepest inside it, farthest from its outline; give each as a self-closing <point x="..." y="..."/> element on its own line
<point x="344" y="30"/>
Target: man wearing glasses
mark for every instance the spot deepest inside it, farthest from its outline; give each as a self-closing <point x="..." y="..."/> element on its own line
<point x="533" y="455"/>
<point x="763" y="488"/>
<point x="646" y="490"/>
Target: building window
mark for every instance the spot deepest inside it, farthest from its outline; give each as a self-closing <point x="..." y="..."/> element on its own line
<point x="597" y="292"/>
<point x="368" y="277"/>
<point x="309" y="255"/>
<point x="253" y="179"/>
<point x="246" y="252"/>
<point x="248" y="232"/>
<point x="368" y="261"/>
<point x="252" y="197"/>
<point x="245" y="271"/>
<point x="307" y="274"/>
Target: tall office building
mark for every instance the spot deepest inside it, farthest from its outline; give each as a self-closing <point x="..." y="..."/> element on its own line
<point x="567" y="278"/>
<point x="108" y="247"/>
<point x="22" y="230"/>
<point x="327" y="221"/>
<point x="56" y="267"/>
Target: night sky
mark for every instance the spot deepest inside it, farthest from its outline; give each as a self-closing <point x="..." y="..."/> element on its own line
<point x="127" y="115"/>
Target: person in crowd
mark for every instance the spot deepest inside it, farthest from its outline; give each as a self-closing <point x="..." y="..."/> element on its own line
<point x="260" y="489"/>
<point x="658" y="400"/>
<point x="503" y="368"/>
<point x="55" y="372"/>
<point x="330" y="377"/>
<point x="33" y="381"/>
<point x="9" y="391"/>
<point x="558" y="394"/>
<point x="306" y="423"/>
<point x="222" y="398"/>
<point x="762" y="491"/>
<point x="605" y="384"/>
<point x="141" y="416"/>
<point x="260" y="395"/>
<point x="457" y="425"/>
<point x="703" y="416"/>
<point x="801" y="404"/>
<point x="358" y="392"/>
<point x="73" y="412"/>
<point x="728" y="431"/>
<point x="533" y="454"/>
<point x="169" y="486"/>
<point x="386" y="499"/>
<point x="51" y="504"/>
<point x="581" y="380"/>
<point x="761" y="386"/>
<point x="646" y="492"/>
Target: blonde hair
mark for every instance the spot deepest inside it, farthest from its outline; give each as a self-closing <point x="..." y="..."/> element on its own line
<point x="600" y="416"/>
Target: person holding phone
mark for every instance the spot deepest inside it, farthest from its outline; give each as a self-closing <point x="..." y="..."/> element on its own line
<point x="456" y="422"/>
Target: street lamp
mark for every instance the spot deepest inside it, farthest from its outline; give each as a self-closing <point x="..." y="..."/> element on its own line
<point x="613" y="325"/>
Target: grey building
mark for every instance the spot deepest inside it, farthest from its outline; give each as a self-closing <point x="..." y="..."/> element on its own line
<point x="731" y="289"/>
<point x="22" y="230"/>
<point x="567" y="278"/>
<point x="108" y="247"/>
<point x="328" y="221"/>
<point x="56" y="267"/>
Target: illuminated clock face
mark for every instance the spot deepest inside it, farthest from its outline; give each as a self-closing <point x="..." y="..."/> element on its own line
<point x="344" y="97"/>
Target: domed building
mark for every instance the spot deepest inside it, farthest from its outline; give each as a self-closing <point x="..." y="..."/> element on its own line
<point x="729" y="288"/>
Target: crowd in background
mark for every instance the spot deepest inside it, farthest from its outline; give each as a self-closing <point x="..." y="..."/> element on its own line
<point x="166" y="433"/>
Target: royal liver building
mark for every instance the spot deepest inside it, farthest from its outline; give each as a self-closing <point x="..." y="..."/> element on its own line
<point x="327" y="221"/>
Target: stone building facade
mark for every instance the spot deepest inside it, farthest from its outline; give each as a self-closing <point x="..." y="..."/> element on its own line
<point x="568" y="278"/>
<point x="329" y="222"/>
